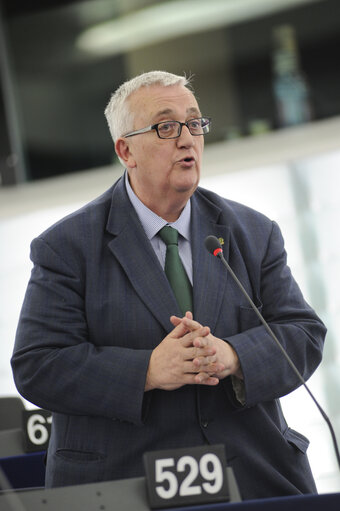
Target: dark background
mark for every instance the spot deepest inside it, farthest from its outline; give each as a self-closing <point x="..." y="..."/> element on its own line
<point x="60" y="93"/>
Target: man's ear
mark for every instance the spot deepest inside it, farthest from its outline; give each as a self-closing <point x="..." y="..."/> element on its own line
<point x="122" y="148"/>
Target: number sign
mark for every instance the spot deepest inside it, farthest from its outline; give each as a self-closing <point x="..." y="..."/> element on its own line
<point x="37" y="429"/>
<point x="194" y="475"/>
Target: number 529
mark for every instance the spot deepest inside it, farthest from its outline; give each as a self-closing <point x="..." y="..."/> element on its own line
<point x="208" y="467"/>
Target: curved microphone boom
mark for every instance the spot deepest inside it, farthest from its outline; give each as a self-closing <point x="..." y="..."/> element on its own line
<point x="214" y="247"/>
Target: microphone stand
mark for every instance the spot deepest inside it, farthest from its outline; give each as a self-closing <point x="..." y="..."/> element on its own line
<point x="214" y="247"/>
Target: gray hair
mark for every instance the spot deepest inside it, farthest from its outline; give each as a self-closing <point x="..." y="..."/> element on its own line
<point x="117" y="112"/>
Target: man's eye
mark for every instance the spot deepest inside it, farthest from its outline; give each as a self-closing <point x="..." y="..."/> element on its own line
<point x="195" y="124"/>
<point x="169" y="126"/>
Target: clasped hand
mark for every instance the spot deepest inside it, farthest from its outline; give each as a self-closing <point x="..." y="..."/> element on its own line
<point x="190" y="354"/>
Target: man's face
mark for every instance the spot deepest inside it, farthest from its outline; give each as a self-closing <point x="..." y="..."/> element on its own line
<point x="159" y="169"/>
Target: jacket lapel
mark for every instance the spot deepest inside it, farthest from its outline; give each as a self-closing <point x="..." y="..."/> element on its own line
<point x="134" y="252"/>
<point x="209" y="275"/>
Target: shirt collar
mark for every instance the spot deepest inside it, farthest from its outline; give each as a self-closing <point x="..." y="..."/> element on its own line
<point x="151" y="222"/>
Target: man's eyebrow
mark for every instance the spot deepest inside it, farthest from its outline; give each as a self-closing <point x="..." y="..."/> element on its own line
<point x="169" y="111"/>
<point x="166" y="111"/>
<point x="193" y="110"/>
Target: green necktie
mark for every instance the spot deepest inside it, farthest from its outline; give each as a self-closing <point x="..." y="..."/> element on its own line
<point x="175" y="271"/>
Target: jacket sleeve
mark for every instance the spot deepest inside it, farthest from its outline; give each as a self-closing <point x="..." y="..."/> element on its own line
<point x="54" y="364"/>
<point x="267" y="374"/>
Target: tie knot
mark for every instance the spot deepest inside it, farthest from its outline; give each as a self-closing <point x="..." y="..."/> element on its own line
<point x="169" y="235"/>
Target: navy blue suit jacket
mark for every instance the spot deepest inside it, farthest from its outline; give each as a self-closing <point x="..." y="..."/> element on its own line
<point x="97" y="304"/>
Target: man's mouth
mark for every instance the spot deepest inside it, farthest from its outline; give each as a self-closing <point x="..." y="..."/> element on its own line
<point x="188" y="159"/>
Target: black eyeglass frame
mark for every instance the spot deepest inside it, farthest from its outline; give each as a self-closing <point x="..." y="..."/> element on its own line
<point x="180" y="126"/>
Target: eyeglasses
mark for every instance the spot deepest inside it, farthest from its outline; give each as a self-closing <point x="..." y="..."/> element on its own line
<point x="173" y="129"/>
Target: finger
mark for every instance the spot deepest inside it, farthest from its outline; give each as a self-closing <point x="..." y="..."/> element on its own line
<point x="199" y="379"/>
<point x="191" y="352"/>
<point x="191" y="323"/>
<point x="204" y="341"/>
<point x="179" y="331"/>
<point x="213" y="368"/>
<point x="201" y="353"/>
<point x="204" y="361"/>
<point x="189" y="339"/>
<point x="206" y="379"/>
<point x="175" y="320"/>
<point x="187" y="320"/>
<point x="203" y="364"/>
<point x="191" y="379"/>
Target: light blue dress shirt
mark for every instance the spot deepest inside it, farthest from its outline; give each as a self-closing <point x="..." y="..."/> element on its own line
<point x="153" y="223"/>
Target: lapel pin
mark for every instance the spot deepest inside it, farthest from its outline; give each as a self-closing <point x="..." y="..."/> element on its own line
<point x="221" y="240"/>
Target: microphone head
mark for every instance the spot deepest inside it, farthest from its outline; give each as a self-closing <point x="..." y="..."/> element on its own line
<point x="213" y="245"/>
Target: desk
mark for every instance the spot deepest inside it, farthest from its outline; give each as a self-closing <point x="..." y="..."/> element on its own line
<point x="22" y="470"/>
<point x="25" y="470"/>
<point x="130" y="495"/>
<point x="327" y="502"/>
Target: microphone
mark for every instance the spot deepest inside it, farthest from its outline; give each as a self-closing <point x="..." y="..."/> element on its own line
<point x="214" y="247"/>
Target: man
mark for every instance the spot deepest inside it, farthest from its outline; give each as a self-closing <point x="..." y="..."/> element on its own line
<point x="103" y="343"/>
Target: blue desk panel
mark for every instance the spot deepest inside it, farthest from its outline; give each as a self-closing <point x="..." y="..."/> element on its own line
<point x="25" y="471"/>
<point x="327" y="502"/>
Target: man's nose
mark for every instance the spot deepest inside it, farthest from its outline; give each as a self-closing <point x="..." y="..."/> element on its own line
<point x="185" y="138"/>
